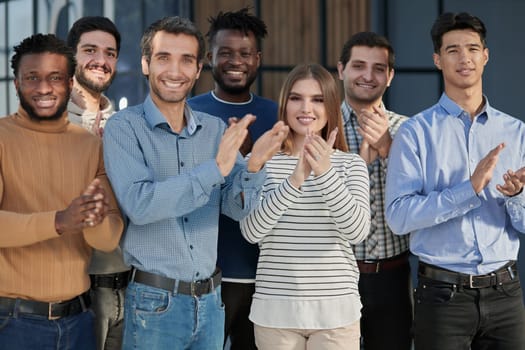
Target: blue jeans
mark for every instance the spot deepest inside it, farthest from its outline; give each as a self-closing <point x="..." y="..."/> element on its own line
<point x="452" y="317"/>
<point x="158" y="319"/>
<point x="29" y="332"/>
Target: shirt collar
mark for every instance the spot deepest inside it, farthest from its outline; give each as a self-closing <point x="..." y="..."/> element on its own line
<point x="155" y="118"/>
<point x="452" y="108"/>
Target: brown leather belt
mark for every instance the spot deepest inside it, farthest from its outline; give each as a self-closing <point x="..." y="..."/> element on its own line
<point x="506" y="274"/>
<point x="196" y="288"/>
<point x="376" y="266"/>
<point x="112" y="280"/>
<point x="52" y="311"/>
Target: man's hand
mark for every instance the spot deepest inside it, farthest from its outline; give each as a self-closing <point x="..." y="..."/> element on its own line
<point x="373" y="127"/>
<point x="485" y="169"/>
<point x="266" y="146"/>
<point x="247" y="145"/>
<point x="368" y="153"/>
<point x="513" y="182"/>
<point x="87" y="210"/>
<point x="231" y="142"/>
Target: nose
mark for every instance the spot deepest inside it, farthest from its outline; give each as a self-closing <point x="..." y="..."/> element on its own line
<point x="306" y="106"/>
<point x="367" y="74"/>
<point x="464" y="56"/>
<point x="44" y="86"/>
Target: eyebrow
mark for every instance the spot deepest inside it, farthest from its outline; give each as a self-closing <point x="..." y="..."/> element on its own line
<point x="95" y="46"/>
<point x="467" y="45"/>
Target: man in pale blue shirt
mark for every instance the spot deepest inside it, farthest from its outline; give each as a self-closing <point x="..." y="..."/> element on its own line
<point x="451" y="183"/>
<point x="173" y="171"/>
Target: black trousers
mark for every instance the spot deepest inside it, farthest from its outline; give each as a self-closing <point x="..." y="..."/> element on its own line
<point x="452" y="317"/>
<point x="386" y="319"/>
<point x="237" y="299"/>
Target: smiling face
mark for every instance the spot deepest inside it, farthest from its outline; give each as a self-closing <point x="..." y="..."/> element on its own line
<point x="305" y="109"/>
<point x="173" y="67"/>
<point x="96" y="60"/>
<point x="462" y="59"/>
<point x="366" y="75"/>
<point x="234" y="60"/>
<point x="43" y="86"/>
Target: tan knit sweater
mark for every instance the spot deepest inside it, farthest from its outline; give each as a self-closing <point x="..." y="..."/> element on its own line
<point x="43" y="167"/>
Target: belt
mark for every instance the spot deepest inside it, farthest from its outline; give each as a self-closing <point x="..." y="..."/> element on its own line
<point x="376" y="266"/>
<point x="112" y="280"/>
<point x="51" y="311"/>
<point x="196" y="288"/>
<point x="506" y="274"/>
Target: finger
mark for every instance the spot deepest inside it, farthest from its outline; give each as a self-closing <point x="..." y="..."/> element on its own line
<point x="232" y="120"/>
<point x="246" y="120"/>
<point x="496" y="150"/>
<point x="332" y="138"/>
<point x="92" y="187"/>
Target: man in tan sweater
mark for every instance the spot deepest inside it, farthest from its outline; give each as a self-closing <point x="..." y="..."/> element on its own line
<point x="56" y="205"/>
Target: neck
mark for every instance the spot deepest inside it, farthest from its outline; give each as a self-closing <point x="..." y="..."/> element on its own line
<point x="358" y="106"/>
<point x="173" y="112"/>
<point x="86" y="99"/>
<point x="243" y="96"/>
<point x="470" y="100"/>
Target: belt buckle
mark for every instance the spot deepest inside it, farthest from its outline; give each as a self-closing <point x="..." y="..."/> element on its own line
<point x="192" y="289"/>
<point x="50" y="312"/>
<point x="470" y="281"/>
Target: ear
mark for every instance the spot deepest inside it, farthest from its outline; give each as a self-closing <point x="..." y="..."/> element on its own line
<point x="486" y="54"/>
<point x="340" y="69"/>
<point x="209" y="57"/>
<point x="437" y="60"/>
<point x="199" y="70"/>
<point x="258" y="58"/>
<point x="17" y="84"/>
<point x="391" y="76"/>
<point x="145" y="65"/>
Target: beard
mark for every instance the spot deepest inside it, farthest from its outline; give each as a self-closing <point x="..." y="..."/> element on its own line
<point x="98" y="87"/>
<point x="235" y="89"/>
<point x="31" y="112"/>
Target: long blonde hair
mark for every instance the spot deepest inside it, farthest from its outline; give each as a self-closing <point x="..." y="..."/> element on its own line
<point x="331" y="96"/>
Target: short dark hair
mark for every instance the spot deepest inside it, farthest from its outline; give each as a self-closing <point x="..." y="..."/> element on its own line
<point x="452" y="21"/>
<point x="240" y="20"/>
<point x="90" y="24"/>
<point x="173" y="25"/>
<point x="369" y="39"/>
<point x="43" y="43"/>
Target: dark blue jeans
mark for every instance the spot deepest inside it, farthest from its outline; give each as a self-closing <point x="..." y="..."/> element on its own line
<point x="155" y="319"/>
<point x="452" y="317"/>
<point x="29" y="332"/>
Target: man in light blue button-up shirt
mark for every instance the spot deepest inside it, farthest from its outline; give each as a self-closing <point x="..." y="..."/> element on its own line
<point x="451" y="183"/>
<point x="173" y="171"/>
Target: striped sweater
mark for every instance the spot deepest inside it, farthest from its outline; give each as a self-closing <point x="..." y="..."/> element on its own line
<point x="305" y="237"/>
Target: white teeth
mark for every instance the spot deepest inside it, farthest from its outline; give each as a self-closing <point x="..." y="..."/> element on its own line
<point x="234" y="73"/>
<point x="366" y="86"/>
<point x="45" y="102"/>
<point x="173" y="85"/>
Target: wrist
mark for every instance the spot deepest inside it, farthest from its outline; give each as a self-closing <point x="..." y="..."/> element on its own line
<point x="58" y="226"/>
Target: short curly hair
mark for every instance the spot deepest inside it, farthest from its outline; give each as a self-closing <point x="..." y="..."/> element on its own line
<point x="43" y="43"/>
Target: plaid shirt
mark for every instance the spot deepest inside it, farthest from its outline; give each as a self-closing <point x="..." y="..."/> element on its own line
<point x="381" y="243"/>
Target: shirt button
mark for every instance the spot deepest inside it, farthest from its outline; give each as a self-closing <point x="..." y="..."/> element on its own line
<point x="185" y="219"/>
<point x="181" y="163"/>
<point x="197" y="274"/>
<point x="246" y="179"/>
<point x="191" y="246"/>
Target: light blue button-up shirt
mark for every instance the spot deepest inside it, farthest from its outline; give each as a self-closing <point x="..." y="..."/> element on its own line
<point x="429" y="193"/>
<point x="171" y="190"/>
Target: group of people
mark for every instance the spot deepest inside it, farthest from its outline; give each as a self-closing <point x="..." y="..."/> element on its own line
<point x="274" y="225"/>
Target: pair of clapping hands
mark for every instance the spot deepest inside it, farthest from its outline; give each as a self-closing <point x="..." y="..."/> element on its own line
<point x="87" y="210"/>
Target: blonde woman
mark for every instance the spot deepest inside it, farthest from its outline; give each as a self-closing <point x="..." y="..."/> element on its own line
<point x="314" y="206"/>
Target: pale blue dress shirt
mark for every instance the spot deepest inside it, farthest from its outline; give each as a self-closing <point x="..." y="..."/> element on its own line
<point x="171" y="190"/>
<point x="429" y="193"/>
